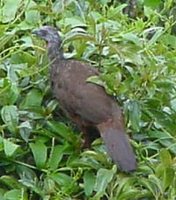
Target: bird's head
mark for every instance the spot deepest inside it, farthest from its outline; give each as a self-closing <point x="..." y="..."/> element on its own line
<point x="48" y="33"/>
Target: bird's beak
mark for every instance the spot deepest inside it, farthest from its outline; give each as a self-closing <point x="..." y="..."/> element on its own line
<point x="36" y="32"/>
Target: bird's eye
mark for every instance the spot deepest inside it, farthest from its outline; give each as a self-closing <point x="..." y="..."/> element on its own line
<point x="44" y="33"/>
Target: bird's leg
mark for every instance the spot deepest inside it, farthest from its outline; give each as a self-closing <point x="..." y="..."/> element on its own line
<point x="90" y="133"/>
<point x="86" y="139"/>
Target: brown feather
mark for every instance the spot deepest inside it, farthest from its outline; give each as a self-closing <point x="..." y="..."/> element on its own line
<point x="87" y="104"/>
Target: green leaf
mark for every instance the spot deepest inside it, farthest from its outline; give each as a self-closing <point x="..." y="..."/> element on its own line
<point x="9" y="147"/>
<point x="134" y="113"/>
<point x="165" y="139"/>
<point x="25" y="130"/>
<point x="10" y="182"/>
<point x="26" y="174"/>
<point x="77" y="34"/>
<point x="1" y="143"/>
<point x="89" y="182"/>
<point x="15" y="195"/>
<point x="113" y="12"/>
<point x="51" y="106"/>
<point x="165" y="158"/>
<point x="61" y="178"/>
<point x="98" y="156"/>
<point x="104" y="2"/>
<point x="133" y="38"/>
<point x="8" y="92"/>
<point x="23" y="59"/>
<point x="2" y="191"/>
<point x="6" y="38"/>
<point x="66" y="182"/>
<point x="173" y="104"/>
<point x="49" y="186"/>
<point x="62" y="130"/>
<point x="57" y="153"/>
<point x="73" y="22"/>
<point x="28" y="179"/>
<point x="39" y="151"/>
<point x="9" y="10"/>
<point x="151" y="185"/>
<point x="96" y="80"/>
<point x="32" y="100"/>
<point x="32" y="16"/>
<point x="168" y="177"/>
<point x="169" y="39"/>
<point x="157" y="183"/>
<point x="10" y="117"/>
<point x="95" y="16"/>
<point x="151" y="3"/>
<point x="104" y="177"/>
<point x="157" y="33"/>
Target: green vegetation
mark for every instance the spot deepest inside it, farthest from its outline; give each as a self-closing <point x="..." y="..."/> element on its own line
<point x="40" y="150"/>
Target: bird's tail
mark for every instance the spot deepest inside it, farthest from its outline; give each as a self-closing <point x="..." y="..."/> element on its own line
<point x="118" y="145"/>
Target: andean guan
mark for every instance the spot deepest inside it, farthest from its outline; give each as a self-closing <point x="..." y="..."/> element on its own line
<point x="86" y="103"/>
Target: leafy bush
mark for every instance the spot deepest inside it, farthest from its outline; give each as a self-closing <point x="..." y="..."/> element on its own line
<point x="40" y="150"/>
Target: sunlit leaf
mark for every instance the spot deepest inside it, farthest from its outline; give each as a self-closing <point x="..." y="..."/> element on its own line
<point x="9" y="10"/>
<point x="10" y="116"/>
<point x="8" y="92"/>
<point x="9" y="147"/>
<point x="152" y="3"/>
<point x="32" y="16"/>
<point x="133" y="38"/>
<point x="25" y="130"/>
<point x="165" y="158"/>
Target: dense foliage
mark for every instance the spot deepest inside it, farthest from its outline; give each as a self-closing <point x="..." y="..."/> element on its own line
<point x="40" y="150"/>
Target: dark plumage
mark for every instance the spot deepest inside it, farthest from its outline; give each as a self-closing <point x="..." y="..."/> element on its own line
<point x="87" y="104"/>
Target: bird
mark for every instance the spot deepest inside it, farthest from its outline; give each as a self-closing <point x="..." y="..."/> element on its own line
<point x="85" y="103"/>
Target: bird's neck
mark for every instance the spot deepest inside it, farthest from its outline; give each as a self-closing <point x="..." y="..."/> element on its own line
<point x="55" y="52"/>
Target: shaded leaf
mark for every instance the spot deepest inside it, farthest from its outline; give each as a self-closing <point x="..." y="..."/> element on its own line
<point x="89" y="181"/>
<point x="62" y="130"/>
<point x="15" y="195"/>
<point x="32" y="100"/>
<point x="104" y="177"/>
<point x="10" y="182"/>
<point x="57" y="152"/>
<point x="134" y="113"/>
<point x="39" y="151"/>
